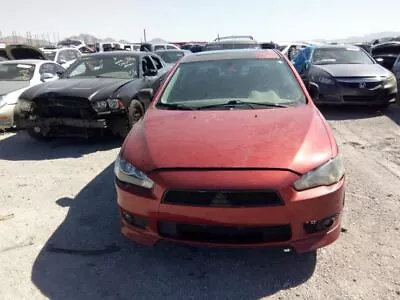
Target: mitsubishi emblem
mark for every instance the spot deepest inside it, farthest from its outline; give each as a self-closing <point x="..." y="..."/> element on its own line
<point x="362" y="85"/>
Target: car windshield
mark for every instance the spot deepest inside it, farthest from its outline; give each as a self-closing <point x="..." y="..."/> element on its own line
<point x="171" y="56"/>
<point x="16" y="72"/>
<point x="108" y="66"/>
<point x="50" y="55"/>
<point x="263" y="81"/>
<point x="351" y="55"/>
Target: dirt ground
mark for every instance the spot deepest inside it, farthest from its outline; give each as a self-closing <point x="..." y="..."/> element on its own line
<point x="60" y="195"/>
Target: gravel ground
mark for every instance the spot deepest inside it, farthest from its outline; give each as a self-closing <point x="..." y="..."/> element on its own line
<point x="60" y="195"/>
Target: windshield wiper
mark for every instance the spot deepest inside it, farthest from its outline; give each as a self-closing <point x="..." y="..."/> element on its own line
<point x="175" y="106"/>
<point x="237" y="102"/>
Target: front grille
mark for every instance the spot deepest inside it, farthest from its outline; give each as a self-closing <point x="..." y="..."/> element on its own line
<point x="364" y="98"/>
<point x="225" y="234"/>
<point x="66" y="107"/>
<point x="356" y="85"/>
<point x="222" y="198"/>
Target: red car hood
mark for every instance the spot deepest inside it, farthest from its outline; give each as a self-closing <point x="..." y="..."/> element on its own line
<point x="282" y="138"/>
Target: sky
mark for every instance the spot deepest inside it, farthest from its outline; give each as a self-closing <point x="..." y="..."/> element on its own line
<point x="183" y="20"/>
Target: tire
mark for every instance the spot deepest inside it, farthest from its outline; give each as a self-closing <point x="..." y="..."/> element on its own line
<point x="37" y="135"/>
<point x="384" y="107"/>
<point x="135" y="112"/>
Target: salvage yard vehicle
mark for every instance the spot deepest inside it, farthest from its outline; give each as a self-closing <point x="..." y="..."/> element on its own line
<point x="16" y="76"/>
<point x="232" y="42"/>
<point x="232" y="151"/>
<point x="346" y="74"/>
<point x="154" y="47"/>
<point x="97" y="94"/>
<point x="386" y="53"/>
<point x="64" y="56"/>
<point x="17" y="51"/>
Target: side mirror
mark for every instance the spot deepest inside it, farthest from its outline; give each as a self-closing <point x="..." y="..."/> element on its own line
<point x="145" y="96"/>
<point x="61" y="61"/>
<point x="150" y="72"/>
<point x="60" y="74"/>
<point x="313" y="90"/>
<point x="46" y="76"/>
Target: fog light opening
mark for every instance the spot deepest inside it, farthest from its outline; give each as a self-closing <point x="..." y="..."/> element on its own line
<point x="37" y="129"/>
<point x="320" y="225"/>
<point x="133" y="220"/>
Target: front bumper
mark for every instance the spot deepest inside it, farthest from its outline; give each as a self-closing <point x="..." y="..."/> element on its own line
<point x="7" y="116"/>
<point x="298" y="209"/>
<point x="340" y="94"/>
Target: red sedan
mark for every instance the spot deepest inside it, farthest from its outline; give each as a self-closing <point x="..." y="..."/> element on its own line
<point x="232" y="151"/>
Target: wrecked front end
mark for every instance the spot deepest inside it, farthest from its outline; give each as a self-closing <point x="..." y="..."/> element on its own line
<point x="69" y="117"/>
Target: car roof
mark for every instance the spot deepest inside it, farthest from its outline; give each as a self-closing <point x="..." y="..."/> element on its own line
<point x="333" y="46"/>
<point x="27" y="61"/>
<point x="121" y="53"/>
<point x="231" y="54"/>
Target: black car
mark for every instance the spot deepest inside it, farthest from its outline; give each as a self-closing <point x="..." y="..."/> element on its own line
<point x="98" y="93"/>
<point x="386" y="53"/>
<point x="346" y="75"/>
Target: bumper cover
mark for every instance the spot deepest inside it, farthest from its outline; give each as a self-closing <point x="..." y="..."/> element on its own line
<point x="7" y="116"/>
<point x="299" y="208"/>
<point x="340" y="94"/>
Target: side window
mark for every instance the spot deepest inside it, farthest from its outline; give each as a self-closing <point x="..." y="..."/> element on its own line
<point x="147" y="64"/>
<point x="157" y="62"/>
<point x="171" y="47"/>
<point x="159" y="47"/>
<point x="48" y="68"/>
<point x="76" y="53"/>
<point x="62" y="56"/>
<point x="71" y="55"/>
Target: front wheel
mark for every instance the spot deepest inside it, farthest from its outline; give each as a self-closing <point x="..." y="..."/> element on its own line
<point x="135" y="112"/>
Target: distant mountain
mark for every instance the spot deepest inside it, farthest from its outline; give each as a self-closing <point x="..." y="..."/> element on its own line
<point x="382" y="36"/>
<point x="87" y="38"/>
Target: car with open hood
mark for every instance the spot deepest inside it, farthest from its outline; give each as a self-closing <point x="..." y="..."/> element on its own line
<point x="346" y="74"/>
<point x="232" y="151"/>
<point x="16" y="76"/>
<point x="97" y="94"/>
<point x="17" y="51"/>
<point x="386" y="53"/>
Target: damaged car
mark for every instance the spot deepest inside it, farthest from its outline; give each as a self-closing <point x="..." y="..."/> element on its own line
<point x="98" y="94"/>
<point x="14" y="52"/>
<point x="247" y="160"/>
<point x="346" y="74"/>
<point x="386" y="53"/>
<point x="16" y="76"/>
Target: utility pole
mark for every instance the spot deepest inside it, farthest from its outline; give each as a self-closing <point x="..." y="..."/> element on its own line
<point x="218" y="36"/>
<point x="144" y="35"/>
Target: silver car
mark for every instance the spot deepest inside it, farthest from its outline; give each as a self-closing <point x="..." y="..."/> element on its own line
<point x="17" y="76"/>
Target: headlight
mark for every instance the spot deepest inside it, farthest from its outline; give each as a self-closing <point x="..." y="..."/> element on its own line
<point x="390" y="82"/>
<point x="25" y="105"/>
<point x="3" y="101"/>
<point x="100" y="106"/>
<point x="327" y="174"/>
<point x="325" y="80"/>
<point x="115" y="103"/>
<point x="128" y="173"/>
